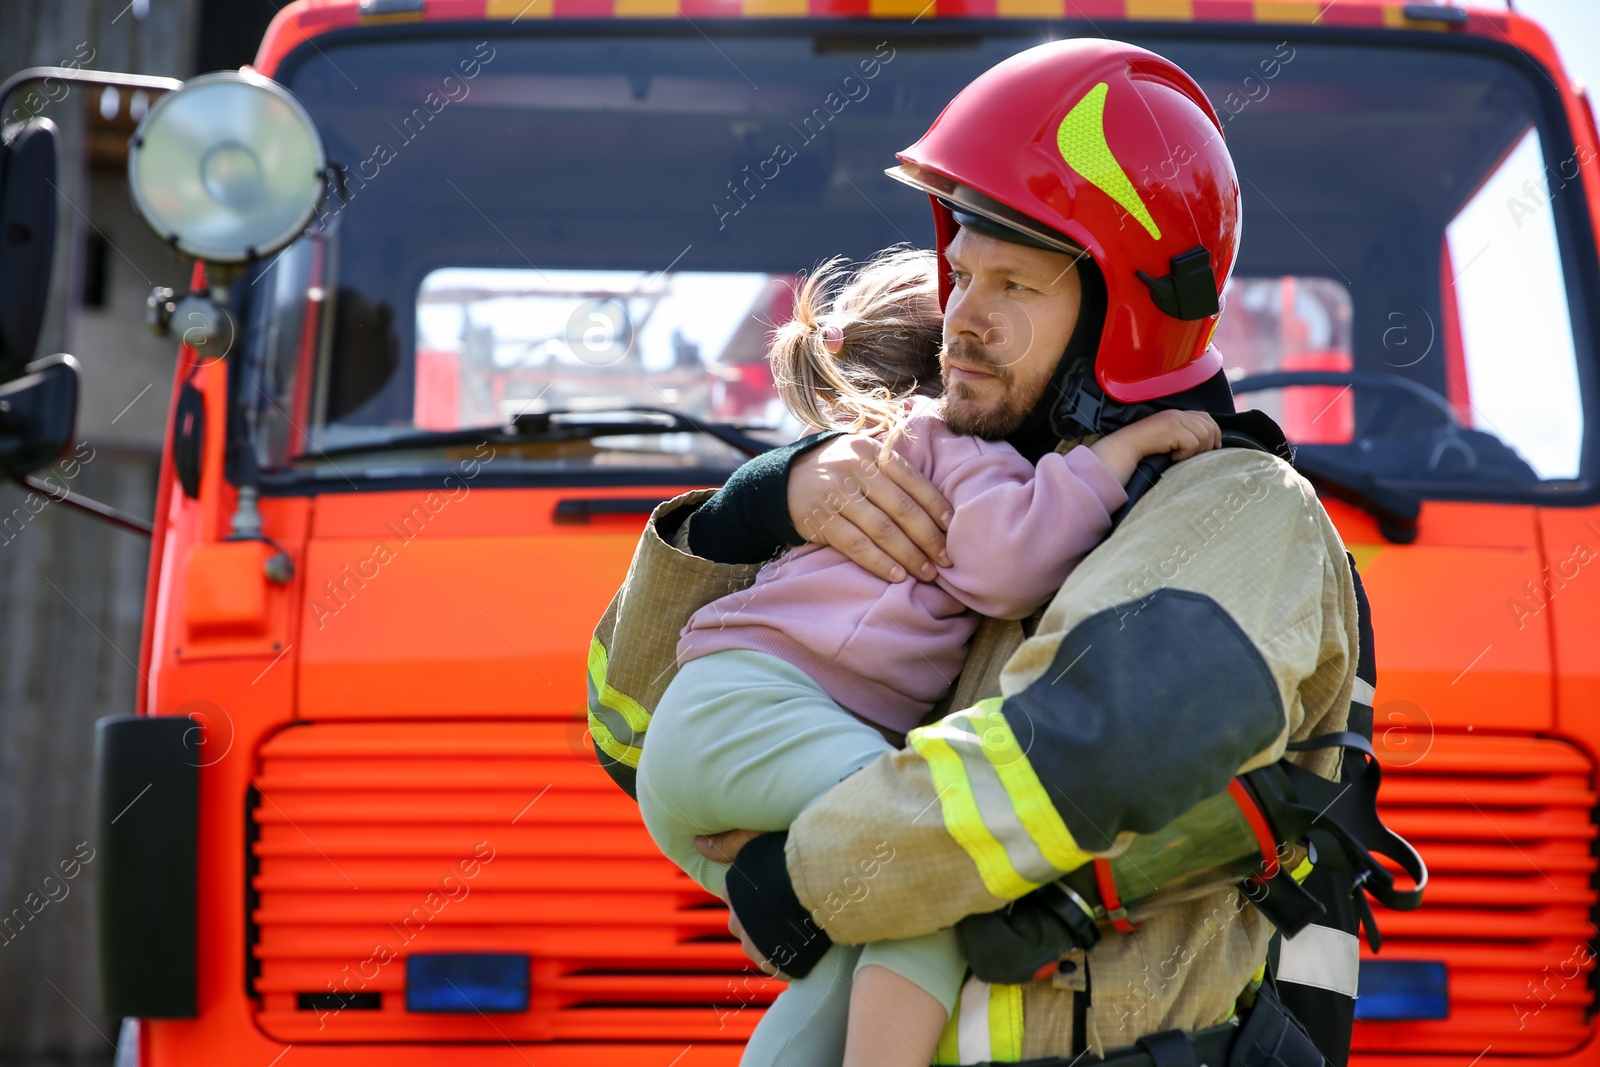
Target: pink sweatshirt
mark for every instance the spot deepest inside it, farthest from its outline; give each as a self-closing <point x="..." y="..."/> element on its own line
<point x="889" y="651"/>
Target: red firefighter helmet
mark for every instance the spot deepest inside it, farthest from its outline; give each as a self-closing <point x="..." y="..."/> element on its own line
<point x="1099" y="147"/>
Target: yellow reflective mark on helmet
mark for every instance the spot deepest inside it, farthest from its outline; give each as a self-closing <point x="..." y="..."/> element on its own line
<point x="962" y="818"/>
<point x="1005" y="1023"/>
<point x="1302" y="872"/>
<point x="1029" y="798"/>
<point x="1081" y="140"/>
<point x="631" y="710"/>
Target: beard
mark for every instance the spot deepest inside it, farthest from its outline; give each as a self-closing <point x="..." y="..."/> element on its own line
<point x="969" y="417"/>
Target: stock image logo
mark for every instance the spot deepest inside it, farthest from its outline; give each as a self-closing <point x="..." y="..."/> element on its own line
<point x="210" y="739"/>
<point x="599" y="332"/>
<point x="580" y="740"/>
<point x="1403" y="731"/>
<point x="1403" y="348"/>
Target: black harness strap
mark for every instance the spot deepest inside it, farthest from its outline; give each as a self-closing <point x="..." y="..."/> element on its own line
<point x="1169" y="1048"/>
<point x="1334" y="886"/>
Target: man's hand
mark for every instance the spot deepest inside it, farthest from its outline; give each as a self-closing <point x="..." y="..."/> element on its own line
<point x="723" y="848"/>
<point x="886" y="518"/>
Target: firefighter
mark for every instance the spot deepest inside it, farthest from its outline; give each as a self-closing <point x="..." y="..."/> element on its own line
<point x="1218" y="624"/>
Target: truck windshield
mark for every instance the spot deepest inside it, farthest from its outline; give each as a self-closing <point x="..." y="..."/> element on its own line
<point x="582" y="220"/>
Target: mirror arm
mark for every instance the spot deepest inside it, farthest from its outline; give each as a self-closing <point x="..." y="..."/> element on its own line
<point x="76" y="76"/>
<point x="85" y="77"/>
<point x="100" y="511"/>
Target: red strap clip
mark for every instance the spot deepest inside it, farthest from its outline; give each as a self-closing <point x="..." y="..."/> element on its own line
<point x="1109" y="899"/>
<point x="1258" y="826"/>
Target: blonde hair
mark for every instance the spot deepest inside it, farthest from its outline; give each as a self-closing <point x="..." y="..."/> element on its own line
<point x="885" y="348"/>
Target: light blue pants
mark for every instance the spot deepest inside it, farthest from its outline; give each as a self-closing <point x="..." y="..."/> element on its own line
<point x="743" y="740"/>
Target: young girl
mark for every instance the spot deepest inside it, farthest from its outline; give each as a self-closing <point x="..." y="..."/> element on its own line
<point x="819" y="667"/>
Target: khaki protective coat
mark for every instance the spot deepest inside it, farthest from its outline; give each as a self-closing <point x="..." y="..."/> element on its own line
<point x="1237" y="526"/>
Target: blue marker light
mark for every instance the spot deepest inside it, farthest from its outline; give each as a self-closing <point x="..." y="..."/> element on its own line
<point x="1403" y="991"/>
<point x="467" y="982"/>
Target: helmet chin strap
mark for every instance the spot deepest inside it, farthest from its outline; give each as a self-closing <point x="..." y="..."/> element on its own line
<point x="1084" y="408"/>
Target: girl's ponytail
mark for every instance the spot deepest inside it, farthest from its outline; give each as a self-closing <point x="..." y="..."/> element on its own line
<point x="859" y="345"/>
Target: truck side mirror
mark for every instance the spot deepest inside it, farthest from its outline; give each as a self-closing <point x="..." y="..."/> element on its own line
<point x="27" y="240"/>
<point x="37" y="413"/>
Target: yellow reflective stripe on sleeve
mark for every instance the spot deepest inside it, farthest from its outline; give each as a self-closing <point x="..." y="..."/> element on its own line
<point x="993" y="803"/>
<point x="1302" y="872"/>
<point x="964" y="821"/>
<point x="626" y="754"/>
<point x="1005" y="1023"/>
<point x="617" y="722"/>
<point x="630" y="709"/>
<point x="1029" y="799"/>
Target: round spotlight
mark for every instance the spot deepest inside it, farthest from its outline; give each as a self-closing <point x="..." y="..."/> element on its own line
<point x="229" y="168"/>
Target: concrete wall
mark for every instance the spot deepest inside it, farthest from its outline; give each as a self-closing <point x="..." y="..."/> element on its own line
<point x="71" y="588"/>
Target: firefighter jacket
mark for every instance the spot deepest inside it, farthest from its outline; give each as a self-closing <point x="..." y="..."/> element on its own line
<point x="1215" y="625"/>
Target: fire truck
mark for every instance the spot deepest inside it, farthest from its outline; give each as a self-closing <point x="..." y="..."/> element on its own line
<point x="478" y="283"/>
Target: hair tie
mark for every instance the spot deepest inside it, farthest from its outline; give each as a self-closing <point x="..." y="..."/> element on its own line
<point x="832" y="339"/>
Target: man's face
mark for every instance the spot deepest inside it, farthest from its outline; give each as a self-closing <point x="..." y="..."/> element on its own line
<point x="1011" y="313"/>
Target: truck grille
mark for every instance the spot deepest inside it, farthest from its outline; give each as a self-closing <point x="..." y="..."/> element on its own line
<point x="366" y="834"/>
<point x="1505" y="825"/>
<point x="379" y="840"/>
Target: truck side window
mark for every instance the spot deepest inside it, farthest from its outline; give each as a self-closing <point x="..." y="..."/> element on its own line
<point x="1510" y="363"/>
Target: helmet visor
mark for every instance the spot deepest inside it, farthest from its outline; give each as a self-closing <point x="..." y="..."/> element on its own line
<point x="975" y="211"/>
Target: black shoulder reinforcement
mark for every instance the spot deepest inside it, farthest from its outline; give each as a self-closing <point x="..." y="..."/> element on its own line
<point x="763" y="897"/>
<point x="1168" y="684"/>
<point x="626" y="777"/>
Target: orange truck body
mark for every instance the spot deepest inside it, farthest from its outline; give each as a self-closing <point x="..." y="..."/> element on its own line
<point x="421" y="777"/>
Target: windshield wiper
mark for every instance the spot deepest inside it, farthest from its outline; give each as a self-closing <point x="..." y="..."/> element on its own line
<point x="562" y="425"/>
<point x="1396" y="511"/>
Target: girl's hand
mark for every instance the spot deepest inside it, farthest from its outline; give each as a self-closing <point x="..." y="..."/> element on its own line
<point x="1180" y="434"/>
<point x="887" y="518"/>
